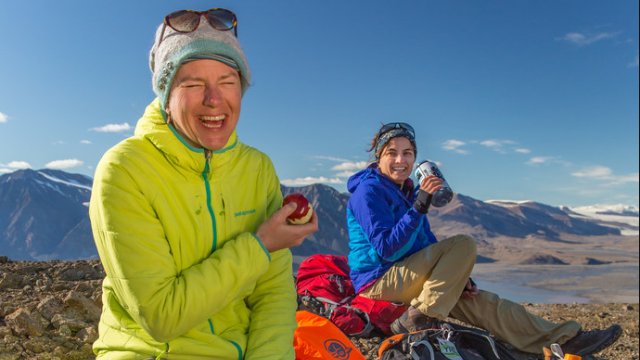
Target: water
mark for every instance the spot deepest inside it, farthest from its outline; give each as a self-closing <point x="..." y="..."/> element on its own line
<point x="558" y="284"/>
<point x="525" y="294"/>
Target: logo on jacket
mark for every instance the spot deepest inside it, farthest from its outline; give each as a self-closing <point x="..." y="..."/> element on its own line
<point x="245" y="212"/>
<point x="337" y="349"/>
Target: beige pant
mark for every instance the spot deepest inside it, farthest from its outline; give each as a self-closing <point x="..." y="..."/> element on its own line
<point x="432" y="281"/>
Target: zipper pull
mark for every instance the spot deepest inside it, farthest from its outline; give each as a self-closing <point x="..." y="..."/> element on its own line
<point x="207" y="158"/>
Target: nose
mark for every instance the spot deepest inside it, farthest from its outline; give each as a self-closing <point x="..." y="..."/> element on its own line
<point x="212" y="96"/>
<point x="399" y="158"/>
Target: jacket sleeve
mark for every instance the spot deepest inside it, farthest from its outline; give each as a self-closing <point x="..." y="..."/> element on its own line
<point x="165" y="301"/>
<point x="374" y="210"/>
<point x="273" y="303"/>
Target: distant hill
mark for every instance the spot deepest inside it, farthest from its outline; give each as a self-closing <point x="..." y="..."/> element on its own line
<point x="43" y="215"/>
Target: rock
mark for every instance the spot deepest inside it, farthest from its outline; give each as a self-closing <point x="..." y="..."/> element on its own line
<point x="543" y="260"/>
<point x="88" y="335"/>
<point x="21" y="322"/>
<point x="592" y="261"/>
<point x="38" y="345"/>
<point x="10" y="281"/>
<point x="63" y="323"/>
<point x="58" y="317"/>
<point x="49" y="306"/>
<point x="79" y="304"/>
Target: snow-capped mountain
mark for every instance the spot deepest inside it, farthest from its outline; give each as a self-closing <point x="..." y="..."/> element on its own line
<point x="44" y="215"/>
<point x="624" y="217"/>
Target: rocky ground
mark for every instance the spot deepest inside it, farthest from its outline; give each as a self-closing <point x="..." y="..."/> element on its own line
<point x="50" y="310"/>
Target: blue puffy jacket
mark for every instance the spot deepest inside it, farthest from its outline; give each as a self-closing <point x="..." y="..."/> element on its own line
<point x="383" y="226"/>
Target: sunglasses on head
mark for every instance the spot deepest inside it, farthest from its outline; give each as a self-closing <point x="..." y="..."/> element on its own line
<point x="396" y="125"/>
<point x="186" y="21"/>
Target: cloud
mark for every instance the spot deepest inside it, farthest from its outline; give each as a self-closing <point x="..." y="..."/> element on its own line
<point x="497" y="145"/>
<point x="19" y="165"/>
<point x="4" y="118"/>
<point x="311" y="180"/>
<point x="537" y="160"/>
<point x="522" y="151"/>
<point x="604" y="173"/>
<point x="112" y="128"/>
<point x="85" y="142"/>
<point x="344" y="169"/>
<point x="344" y="174"/>
<point x="350" y="166"/>
<point x="13" y="166"/>
<point x="632" y="64"/>
<point x="330" y="158"/>
<point x="455" y="146"/>
<point x="594" y="172"/>
<point x="64" y="164"/>
<point x="581" y="39"/>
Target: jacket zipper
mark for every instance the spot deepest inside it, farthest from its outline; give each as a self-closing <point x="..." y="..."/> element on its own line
<point x="205" y="177"/>
<point x="207" y="186"/>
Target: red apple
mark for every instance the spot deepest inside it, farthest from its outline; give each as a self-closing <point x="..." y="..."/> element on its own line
<point x="302" y="213"/>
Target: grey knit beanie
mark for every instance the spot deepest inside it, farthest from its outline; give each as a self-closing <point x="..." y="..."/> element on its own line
<point x="175" y="48"/>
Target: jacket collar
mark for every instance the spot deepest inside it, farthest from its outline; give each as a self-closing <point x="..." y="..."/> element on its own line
<point x="153" y="126"/>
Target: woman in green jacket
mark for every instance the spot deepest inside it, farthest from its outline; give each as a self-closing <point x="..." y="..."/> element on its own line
<point x="188" y="220"/>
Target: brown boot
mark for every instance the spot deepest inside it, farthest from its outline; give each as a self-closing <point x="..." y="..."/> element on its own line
<point x="593" y="341"/>
<point x="413" y="320"/>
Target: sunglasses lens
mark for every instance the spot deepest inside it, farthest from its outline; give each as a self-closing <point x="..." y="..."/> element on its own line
<point x="221" y="19"/>
<point x="400" y="125"/>
<point x="183" y="21"/>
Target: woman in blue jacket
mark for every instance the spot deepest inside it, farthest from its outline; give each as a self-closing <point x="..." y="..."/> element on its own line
<point x="394" y="256"/>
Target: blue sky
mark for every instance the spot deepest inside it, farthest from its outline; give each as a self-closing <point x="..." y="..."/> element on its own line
<point x="514" y="99"/>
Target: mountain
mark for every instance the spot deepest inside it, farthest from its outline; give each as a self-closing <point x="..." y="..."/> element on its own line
<point x="43" y="215"/>
<point x="624" y="217"/>
<point x="331" y="208"/>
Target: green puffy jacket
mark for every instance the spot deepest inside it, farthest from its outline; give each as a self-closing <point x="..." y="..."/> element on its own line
<point x="186" y="276"/>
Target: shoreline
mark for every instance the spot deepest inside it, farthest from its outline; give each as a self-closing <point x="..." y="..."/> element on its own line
<point x="561" y="284"/>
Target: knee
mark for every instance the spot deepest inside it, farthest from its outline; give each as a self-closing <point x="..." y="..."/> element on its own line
<point x="465" y="244"/>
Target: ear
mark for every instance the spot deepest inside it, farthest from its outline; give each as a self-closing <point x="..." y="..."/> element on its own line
<point x="166" y="111"/>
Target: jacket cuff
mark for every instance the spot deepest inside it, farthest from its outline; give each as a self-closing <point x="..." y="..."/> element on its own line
<point x="262" y="246"/>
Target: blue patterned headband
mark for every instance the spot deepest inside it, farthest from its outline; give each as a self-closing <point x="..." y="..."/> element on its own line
<point x="387" y="136"/>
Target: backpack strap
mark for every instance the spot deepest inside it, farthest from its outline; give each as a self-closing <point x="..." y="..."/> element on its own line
<point x="390" y="342"/>
<point x="484" y="342"/>
<point x="414" y="352"/>
<point x="326" y="307"/>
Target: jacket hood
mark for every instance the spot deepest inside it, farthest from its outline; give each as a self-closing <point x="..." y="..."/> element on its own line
<point x="357" y="178"/>
<point x="372" y="171"/>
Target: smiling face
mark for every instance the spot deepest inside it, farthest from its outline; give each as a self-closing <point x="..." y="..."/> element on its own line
<point x="397" y="159"/>
<point x="204" y="103"/>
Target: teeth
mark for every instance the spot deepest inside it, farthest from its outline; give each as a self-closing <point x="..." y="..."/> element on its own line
<point x="212" y="118"/>
<point x="212" y="122"/>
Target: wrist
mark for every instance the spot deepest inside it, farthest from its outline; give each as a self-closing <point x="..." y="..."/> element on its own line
<point x="422" y="202"/>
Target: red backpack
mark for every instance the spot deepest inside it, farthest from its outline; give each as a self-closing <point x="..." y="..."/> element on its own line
<point x="324" y="288"/>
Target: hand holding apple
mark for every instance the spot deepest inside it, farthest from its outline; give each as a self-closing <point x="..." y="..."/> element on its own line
<point x="303" y="212"/>
<point x="277" y="233"/>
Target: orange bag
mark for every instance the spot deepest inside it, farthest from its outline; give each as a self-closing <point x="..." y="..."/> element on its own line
<point x="318" y="338"/>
